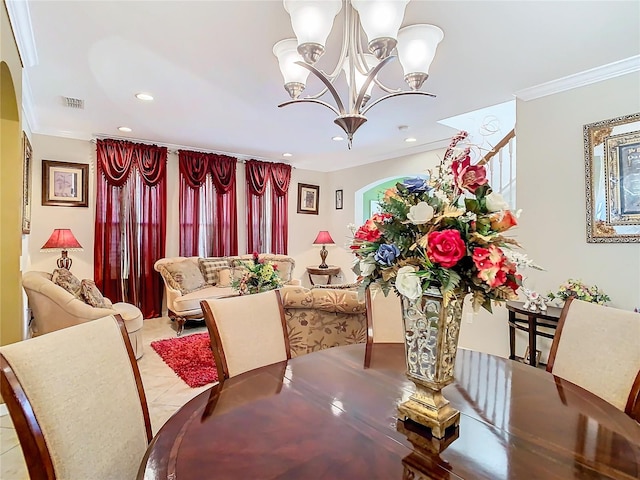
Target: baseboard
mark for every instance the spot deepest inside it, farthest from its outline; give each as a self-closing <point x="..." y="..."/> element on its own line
<point x="3" y="410"/>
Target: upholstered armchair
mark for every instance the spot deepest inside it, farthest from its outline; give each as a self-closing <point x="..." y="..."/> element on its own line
<point x="320" y="318"/>
<point x="54" y="308"/>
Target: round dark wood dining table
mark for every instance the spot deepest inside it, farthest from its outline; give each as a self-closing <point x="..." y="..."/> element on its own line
<point x="325" y="416"/>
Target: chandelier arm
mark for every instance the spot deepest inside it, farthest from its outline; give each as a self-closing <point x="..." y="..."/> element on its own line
<point x="327" y="83"/>
<point x="397" y="94"/>
<point x="367" y="82"/>
<point x="311" y="100"/>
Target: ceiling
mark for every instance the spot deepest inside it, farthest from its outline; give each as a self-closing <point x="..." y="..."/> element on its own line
<point x="217" y="85"/>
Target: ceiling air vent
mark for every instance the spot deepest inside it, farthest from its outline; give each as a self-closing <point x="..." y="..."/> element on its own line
<point x="73" y="102"/>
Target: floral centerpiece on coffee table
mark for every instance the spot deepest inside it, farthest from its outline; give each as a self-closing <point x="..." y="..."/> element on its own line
<point x="447" y="232"/>
<point x="260" y="276"/>
<point x="579" y="290"/>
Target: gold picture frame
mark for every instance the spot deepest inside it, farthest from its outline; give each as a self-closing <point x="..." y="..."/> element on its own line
<point x="65" y="184"/>
<point x="27" y="154"/>
<point x="308" y="198"/>
<point x="612" y="179"/>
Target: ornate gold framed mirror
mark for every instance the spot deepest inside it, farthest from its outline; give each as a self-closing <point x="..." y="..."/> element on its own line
<point x="612" y="174"/>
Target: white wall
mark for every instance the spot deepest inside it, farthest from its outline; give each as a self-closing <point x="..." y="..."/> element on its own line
<point x="550" y="192"/>
<point x="44" y="219"/>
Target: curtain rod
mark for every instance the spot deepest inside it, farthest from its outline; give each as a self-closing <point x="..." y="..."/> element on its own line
<point x="173" y="148"/>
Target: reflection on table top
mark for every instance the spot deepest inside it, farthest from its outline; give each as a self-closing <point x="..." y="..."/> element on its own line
<point x="323" y="415"/>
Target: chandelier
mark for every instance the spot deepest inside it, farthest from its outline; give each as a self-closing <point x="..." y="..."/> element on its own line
<point x="312" y="20"/>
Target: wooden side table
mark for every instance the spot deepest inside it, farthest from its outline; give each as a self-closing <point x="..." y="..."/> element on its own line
<point x="328" y="272"/>
<point x="530" y="324"/>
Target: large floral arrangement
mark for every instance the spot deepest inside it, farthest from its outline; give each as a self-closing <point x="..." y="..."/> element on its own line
<point x="445" y="232"/>
<point x="579" y="290"/>
<point x="259" y="276"/>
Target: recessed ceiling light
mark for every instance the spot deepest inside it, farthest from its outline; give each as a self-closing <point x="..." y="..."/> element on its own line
<point x="124" y="129"/>
<point x="144" y="96"/>
<point x="287" y="155"/>
<point x="337" y="138"/>
<point x="410" y="139"/>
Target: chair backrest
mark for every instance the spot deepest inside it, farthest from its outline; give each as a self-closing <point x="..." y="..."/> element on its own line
<point x="384" y="319"/>
<point x="598" y="349"/>
<point x="76" y="400"/>
<point x="246" y="331"/>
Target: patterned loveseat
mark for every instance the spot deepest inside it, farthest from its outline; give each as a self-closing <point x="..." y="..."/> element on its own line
<point x="188" y="280"/>
<point x="320" y="318"/>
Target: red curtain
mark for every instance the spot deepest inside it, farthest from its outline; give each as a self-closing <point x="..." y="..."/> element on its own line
<point x="258" y="175"/>
<point x="280" y="180"/>
<point x="130" y="225"/>
<point x="208" y="204"/>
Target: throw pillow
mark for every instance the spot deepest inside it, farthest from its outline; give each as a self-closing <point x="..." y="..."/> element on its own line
<point x="92" y="295"/>
<point x="187" y="275"/>
<point x="224" y="277"/>
<point x="67" y="280"/>
<point x="210" y="268"/>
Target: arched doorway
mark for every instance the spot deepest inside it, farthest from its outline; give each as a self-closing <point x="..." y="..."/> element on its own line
<point x="10" y="210"/>
<point x="367" y="197"/>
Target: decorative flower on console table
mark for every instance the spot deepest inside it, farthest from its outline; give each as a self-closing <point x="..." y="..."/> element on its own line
<point x="260" y="276"/>
<point x="575" y="288"/>
<point x="446" y="232"/>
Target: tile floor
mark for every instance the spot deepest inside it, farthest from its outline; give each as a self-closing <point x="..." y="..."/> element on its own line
<point x="165" y="392"/>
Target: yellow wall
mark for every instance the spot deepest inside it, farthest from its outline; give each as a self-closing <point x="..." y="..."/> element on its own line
<point x="10" y="184"/>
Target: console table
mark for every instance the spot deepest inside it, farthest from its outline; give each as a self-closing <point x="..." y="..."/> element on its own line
<point x="328" y="272"/>
<point x="530" y="324"/>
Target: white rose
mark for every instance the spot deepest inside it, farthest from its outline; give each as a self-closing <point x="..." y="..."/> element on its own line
<point x="420" y="213"/>
<point x="408" y="283"/>
<point x="366" y="268"/>
<point x="495" y="202"/>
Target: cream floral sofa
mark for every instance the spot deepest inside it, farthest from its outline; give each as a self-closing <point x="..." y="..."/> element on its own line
<point x="188" y="280"/>
<point x="320" y="318"/>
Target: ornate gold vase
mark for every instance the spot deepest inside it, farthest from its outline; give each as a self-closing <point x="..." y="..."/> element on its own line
<point x="431" y="345"/>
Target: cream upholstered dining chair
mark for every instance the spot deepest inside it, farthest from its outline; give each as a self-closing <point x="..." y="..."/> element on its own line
<point x="76" y="400"/>
<point x="598" y="349"/>
<point x="384" y="319"/>
<point x="246" y="331"/>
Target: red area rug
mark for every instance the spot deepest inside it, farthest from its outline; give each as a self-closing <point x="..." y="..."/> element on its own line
<point x="190" y="357"/>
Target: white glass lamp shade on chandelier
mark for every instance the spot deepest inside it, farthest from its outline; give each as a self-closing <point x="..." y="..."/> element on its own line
<point x="379" y="20"/>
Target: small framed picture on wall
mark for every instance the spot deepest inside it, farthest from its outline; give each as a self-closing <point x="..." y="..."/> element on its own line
<point x="339" y="200"/>
<point x="65" y="184"/>
<point x="308" y="198"/>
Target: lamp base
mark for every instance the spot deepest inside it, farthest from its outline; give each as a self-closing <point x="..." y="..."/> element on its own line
<point x="64" y="261"/>
<point x="323" y="255"/>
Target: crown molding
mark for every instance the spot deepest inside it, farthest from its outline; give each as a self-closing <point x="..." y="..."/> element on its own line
<point x="594" y="75"/>
<point x="20" y="19"/>
<point x="27" y="103"/>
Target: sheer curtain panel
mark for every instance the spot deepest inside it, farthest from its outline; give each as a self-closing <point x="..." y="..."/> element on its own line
<point x="208" y="204"/>
<point x="130" y="225"/>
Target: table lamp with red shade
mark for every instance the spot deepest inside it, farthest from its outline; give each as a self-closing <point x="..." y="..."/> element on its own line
<point x="62" y="239"/>
<point x="323" y="238"/>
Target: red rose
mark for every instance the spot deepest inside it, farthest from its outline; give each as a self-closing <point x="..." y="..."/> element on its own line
<point x="368" y="232"/>
<point x="467" y="176"/>
<point x="445" y="247"/>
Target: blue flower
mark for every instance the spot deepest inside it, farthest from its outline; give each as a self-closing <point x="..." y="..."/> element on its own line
<point x="416" y="185"/>
<point x="386" y="254"/>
